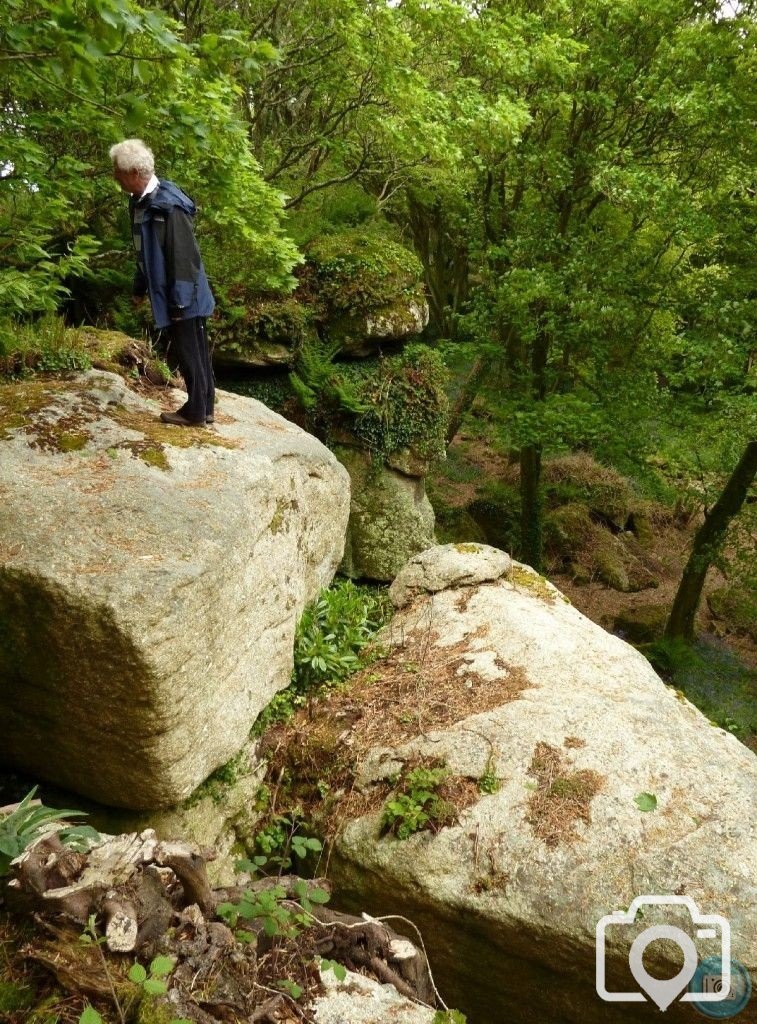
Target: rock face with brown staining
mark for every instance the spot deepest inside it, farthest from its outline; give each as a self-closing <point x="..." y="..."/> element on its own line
<point x="151" y="578"/>
<point x="508" y="896"/>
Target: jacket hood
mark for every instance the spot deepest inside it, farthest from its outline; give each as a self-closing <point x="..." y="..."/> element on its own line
<point x="167" y="195"/>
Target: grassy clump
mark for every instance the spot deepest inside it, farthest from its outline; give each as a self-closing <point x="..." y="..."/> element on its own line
<point x="41" y="346"/>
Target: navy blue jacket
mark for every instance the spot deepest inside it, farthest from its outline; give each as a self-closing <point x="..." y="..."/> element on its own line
<point x="169" y="265"/>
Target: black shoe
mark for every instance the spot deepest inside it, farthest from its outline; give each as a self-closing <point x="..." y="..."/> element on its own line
<point x="180" y="421"/>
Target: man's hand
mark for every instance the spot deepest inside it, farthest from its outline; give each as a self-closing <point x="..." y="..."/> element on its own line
<point x="137" y="301"/>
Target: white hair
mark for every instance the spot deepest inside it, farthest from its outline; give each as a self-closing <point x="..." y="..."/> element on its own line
<point x="133" y="155"/>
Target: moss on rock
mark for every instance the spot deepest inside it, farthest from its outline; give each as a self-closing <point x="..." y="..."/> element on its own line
<point x="391" y="518"/>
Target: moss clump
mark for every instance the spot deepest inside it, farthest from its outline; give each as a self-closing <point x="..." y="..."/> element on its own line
<point x="610" y="566"/>
<point x="20" y="402"/>
<point x="356" y="272"/>
<point x="253" y="322"/>
<point x="72" y="441"/>
<point x="569" y="529"/>
<point x="220" y="781"/>
<point x="387" y="405"/>
<point x="15" y="997"/>
<point x="154" y="1011"/>
<point x="532" y="581"/>
<point x="165" y="434"/>
<point x="154" y="456"/>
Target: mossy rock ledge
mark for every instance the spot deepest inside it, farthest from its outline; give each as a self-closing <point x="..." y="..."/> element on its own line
<point x="151" y="578"/>
<point x="559" y="728"/>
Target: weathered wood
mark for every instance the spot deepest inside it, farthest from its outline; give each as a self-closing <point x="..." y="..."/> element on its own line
<point x="121" y="924"/>
<point x="154" y="909"/>
<point x="356" y="942"/>
<point x="189" y="867"/>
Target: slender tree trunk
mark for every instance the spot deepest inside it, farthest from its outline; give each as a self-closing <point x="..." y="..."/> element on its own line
<point x="707" y="543"/>
<point x="468" y="392"/>
<point x="531" y="506"/>
<point x="531" y="524"/>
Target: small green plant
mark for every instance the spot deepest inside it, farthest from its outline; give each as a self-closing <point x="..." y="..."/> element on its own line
<point x="278" y="841"/>
<point x="646" y="802"/>
<point x="21" y="827"/>
<point x="417" y="806"/>
<point x="339" y="970"/>
<point x="449" y="1017"/>
<point x="280" y="916"/>
<point x="488" y="782"/>
<point x="290" y="987"/>
<point x="44" y="345"/>
<point x="151" y="979"/>
<point x="329" y="645"/>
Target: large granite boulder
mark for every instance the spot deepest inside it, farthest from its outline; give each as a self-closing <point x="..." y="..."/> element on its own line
<point x="602" y="785"/>
<point x="151" y="578"/>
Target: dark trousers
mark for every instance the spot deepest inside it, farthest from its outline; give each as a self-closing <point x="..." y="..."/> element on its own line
<point x="190" y="348"/>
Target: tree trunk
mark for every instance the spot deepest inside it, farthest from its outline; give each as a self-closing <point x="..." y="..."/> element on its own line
<point x="468" y="392"/>
<point x="530" y="506"/>
<point x="707" y="543"/>
<point x="531" y="541"/>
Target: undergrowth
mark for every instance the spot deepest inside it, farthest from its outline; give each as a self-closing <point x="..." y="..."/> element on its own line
<point x="41" y="346"/>
<point x="330" y="644"/>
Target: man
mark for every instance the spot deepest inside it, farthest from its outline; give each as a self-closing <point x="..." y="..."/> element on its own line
<point x="170" y="271"/>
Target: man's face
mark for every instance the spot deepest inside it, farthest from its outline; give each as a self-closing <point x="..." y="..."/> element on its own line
<point x="130" y="181"/>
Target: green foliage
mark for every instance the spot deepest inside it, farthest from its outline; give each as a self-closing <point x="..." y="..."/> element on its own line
<point x="712" y="678"/>
<point x="416" y="805"/>
<point x="279" y="916"/>
<point x="152" y="978"/>
<point x="15" y="997"/>
<point x="21" y="827"/>
<point x="317" y="383"/>
<point x="329" y="644"/>
<point x="333" y="631"/>
<point x="449" y="1017"/>
<point x="249" y="320"/>
<point x="391" y="404"/>
<point x="489" y="782"/>
<point x="89" y="1015"/>
<point x="79" y="77"/>
<point x="356" y="272"/>
<point x="339" y="971"/>
<point x="43" y="345"/>
<point x="279" y="842"/>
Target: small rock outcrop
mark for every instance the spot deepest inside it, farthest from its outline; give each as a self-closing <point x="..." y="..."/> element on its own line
<point x="151" y="578"/>
<point x="391" y="518"/>
<point x="592" y="784"/>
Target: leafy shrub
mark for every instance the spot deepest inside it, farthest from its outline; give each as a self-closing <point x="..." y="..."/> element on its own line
<point x="21" y="827"/>
<point x="388" y="404"/>
<point x="246" y="318"/>
<point x="416" y="805"/>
